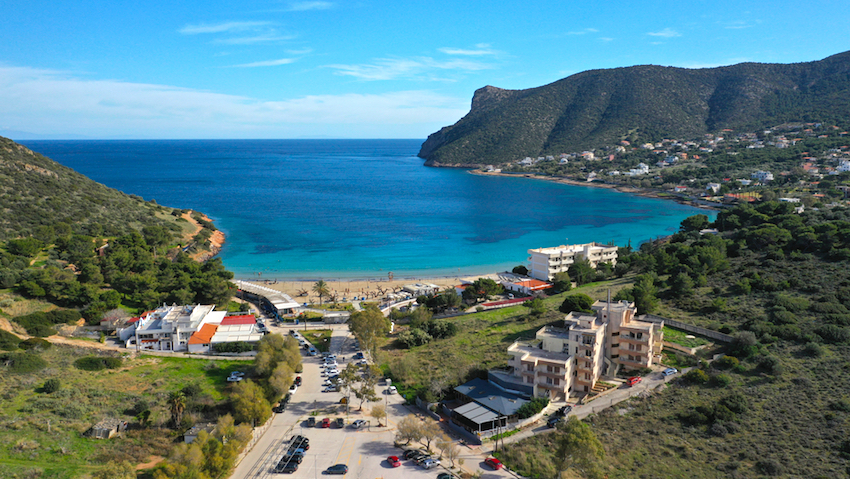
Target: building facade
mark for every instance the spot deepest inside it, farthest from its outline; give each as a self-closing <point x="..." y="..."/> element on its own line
<point x="545" y="263"/>
<point x="573" y="357"/>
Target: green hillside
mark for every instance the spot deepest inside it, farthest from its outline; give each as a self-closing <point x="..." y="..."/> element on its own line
<point x="645" y="103"/>
<point x="41" y="197"/>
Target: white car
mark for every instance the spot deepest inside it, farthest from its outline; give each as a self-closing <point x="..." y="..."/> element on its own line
<point x="330" y="365"/>
<point x="430" y="463"/>
<point x="327" y="382"/>
<point x="392" y="390"/>
<point x="292" y="389"/>
<point x="234" y="379"/>
<point x="330" y="372"/>
<point x="330" y="389"/>
<point x="358" y="424"/>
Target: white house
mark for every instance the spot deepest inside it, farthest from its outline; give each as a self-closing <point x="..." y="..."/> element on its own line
<point x="546" y="262"/>
<point x="762" y="176"/>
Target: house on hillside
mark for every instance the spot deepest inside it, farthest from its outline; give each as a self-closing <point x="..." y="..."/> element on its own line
<point x="108" y="428"/>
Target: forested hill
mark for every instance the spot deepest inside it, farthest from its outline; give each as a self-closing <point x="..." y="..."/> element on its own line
<point x="37" y="193"/>
<point x="598" y="108"/>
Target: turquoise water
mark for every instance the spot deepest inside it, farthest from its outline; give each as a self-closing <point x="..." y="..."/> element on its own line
<point x="307" y="209"/>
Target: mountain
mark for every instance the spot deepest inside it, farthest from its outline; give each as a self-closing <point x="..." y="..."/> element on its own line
<point x="35" y="191"/>
<point x="598" y="108"/>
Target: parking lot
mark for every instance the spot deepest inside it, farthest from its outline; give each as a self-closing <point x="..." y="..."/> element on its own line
<point x="363" y="450"/>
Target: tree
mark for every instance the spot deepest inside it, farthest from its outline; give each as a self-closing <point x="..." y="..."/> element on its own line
<point x="281" y="379"/>
<point x="379" y="412"/>
<point x="536" y="306"/>
<point x="52" y="385"/>
<point x="322" y="289"/>
<point x="366" y="390"/>
<point x="347" y="379"/>
<point x="577" y="448"/>
<point x="482" y="288"/>
<point x="694" y="223"/>
<point x="448" y="448"/>
<point x="369" y="325"/>
<point x="521" y="270"/>
<point x="176" y="405"/>
<point x="643" y="293"/>
<point x="431" y="430"/>
<point x="577" y="302"/>
<point x="562" y="282"/>
<point x="581" y="271"/>
<point x="249" y="403"/>
<point x="115" y="470"/>
<point x="408" y="429"/>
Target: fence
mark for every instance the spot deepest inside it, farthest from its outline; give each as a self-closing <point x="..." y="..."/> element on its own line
<point x="688" y="327"/>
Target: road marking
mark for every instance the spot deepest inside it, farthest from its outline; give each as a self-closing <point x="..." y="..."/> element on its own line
<point x="347" y="445"/>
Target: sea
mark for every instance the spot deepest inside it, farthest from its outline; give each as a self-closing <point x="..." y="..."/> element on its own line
<point x="358" y="209"/>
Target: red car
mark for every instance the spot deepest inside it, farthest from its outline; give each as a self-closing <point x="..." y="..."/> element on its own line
<point x="326" y="422"/>
<point x="634" y="380"/>
<point x="393" y="460"/>
<point x="494" y="463"/>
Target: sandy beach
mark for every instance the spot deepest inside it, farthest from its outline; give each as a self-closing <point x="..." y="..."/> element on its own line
<point x="302" y="291"/>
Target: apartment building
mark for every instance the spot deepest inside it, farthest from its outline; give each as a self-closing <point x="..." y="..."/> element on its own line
<point x="573" y="357"/>
<point x="546" y="262"/>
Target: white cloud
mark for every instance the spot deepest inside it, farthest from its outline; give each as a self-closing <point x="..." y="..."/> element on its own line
<point x="266" y="63"/>
<point x="666" y="33"/>
<point x="302" y="51"/>
<point x="392" y="68"/>
<point x="263" y="38"/>
<point x="305" y="6"/>
<point x="51" y="102"/>
<point x="221" y="27"/>
<point x="460" y="51"/>
<point x="606" y="39"/>
<point x="583" y="32"/>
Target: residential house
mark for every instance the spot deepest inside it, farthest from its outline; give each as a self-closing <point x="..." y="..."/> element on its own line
<point x="762" y="176"/>
<point x="526" y="286"/>
<point x="714" y="187"/>
<point x="546" y="262"/>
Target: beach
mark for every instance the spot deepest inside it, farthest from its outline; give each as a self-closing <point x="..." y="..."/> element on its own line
<point x="371" y="289"/>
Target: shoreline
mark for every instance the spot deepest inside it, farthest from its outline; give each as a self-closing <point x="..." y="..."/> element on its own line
<point x="631" y="190"/>
<point x="372" y="290"/>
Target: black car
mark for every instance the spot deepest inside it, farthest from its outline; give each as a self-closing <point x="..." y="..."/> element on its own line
<point x="296" y="458"/>
<point x="311" y="421"/>
<point x="420" y="458"/>
<point x="339" y="469"/>
<point x="564" y="410"/>
<point x="286" y="466"/>
<point x="340" y="422"/>
<point x="408" y="454"/>
<point x="554" y="420"/>
<point x="280" y="407"/>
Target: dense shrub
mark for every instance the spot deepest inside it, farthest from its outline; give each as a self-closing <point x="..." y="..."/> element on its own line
<point x="833" y="334"/>
<point x="696" y="376"/>
<point x="532" y="407"/>
<point x="97" y="363"/>
<point x="413" y="337"/>
<point x="726" y="362"/>
<point x="41" y="324"/>
<point x="52" y="385"/>
<point x="35" y="343"/>
<point x="8" y="341"/>
<point x="770" y="364"/>
<point x="576" y="302"/>
<point x="721" y="380"/>
<point x="23" y="363"/>
<point x="233" y="347"/>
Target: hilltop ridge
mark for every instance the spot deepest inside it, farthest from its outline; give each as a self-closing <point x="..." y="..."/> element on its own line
<point x="597" y="108"/>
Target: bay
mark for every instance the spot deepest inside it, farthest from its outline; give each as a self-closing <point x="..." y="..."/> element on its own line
<point x="334" y="209"/>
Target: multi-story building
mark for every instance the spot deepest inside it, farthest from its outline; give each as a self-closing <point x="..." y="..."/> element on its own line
<point x="546" y="262"/>
<point x="169" y="328"/>
<point x="573" y="357"/>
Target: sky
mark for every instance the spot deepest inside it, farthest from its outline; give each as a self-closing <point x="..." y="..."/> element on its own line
<point x="352" y="69"/>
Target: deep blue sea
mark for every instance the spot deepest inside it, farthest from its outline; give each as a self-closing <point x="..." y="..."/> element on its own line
<point x="332" y="209"/>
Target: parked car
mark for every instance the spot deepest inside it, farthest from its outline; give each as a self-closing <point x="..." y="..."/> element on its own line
<point x="634" y="380"/>
<point x="430" y="463"/>
<point x="393" y="460"/>
<point x="279" y="408"/>
<point x="420" y="458"/>
<point x="563" y="411"/>
<point x="408" y="454"/>
<point x="326" y="422"/>
<point x="297" y="380"/>
<point x="234" y="379"/>
<point x="330" y="372"/>
<point x="445" y="475"/>
<point x="358" y="424"/>
<point x="296" y="458"/>
<point x="313" y="352"/>
<point x="311" y="421"/>
<point x="292" y="389"/>
<point x="494" y="463"/>
<point x="340" y="422"/>
<point x="299" y="439"/>
<point x="554" y="420"/>
<point x="669" y="372"/>
<point x="330" y="389"/>
<point x="392" y="390"/>
<point x="286" y="467"/>
<point x="339" y="469"/>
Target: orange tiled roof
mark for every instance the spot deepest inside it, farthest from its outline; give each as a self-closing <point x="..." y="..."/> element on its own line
<point x="203" y="335"/>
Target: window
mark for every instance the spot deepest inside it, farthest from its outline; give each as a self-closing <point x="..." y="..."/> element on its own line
<point x="638" y="347"/>
<point x="549" y="369"/>
<point x="639" y="335"/>
<point x="529" y="380"/>
<point x="587" y="376"/>
<point x="615" y="334"/>
<point x="549" y="381"/>
<point x="529" y="367"/>
<point x="615" y="345"/>
<point x="631" y="347"/>
<point x="587" y="365"/>
<point x="615" y="356"/>
<point x="557" y="371"/>
<point x="587" y="353"/>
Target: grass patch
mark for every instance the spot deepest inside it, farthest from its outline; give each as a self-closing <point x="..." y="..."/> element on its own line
<point x="320" y="338"/>
<point x="680" y="337"/>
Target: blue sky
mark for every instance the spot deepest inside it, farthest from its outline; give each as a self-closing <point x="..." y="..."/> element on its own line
<point x="353" y="69"/>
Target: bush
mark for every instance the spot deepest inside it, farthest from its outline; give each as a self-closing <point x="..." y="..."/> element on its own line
<point x="696" y="376"/>
<point x="97" y="363"/>
<point x="576" y="302"/>
<point x="726" y="362"/>
<point x="770" y="467"/>
<point x="35" y="343"/>
<point x="770" y="364"/>
<point x="721" y="380"/>
<point x="532" y="407"/>
<point x="23" y="363"/>
<point x="234" y="347"/>
<point x="413" y="337"/>
<point x="52" y="385"/>
<point x="299" y="368"/>
<point x="8" y="341"/>
<point x="41" y="324"/>
<point x="744" y="344"/>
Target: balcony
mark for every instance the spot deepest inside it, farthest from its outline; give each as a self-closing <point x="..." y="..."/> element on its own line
<point x="587" y="347"/>
<point x="635" y="339"/>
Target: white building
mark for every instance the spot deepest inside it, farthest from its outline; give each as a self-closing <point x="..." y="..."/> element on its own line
<point x="762" y="176"/>
<point x="546" y="262"/>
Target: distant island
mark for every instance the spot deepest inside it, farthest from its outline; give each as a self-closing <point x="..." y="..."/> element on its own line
<point x="598" y="109"/>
